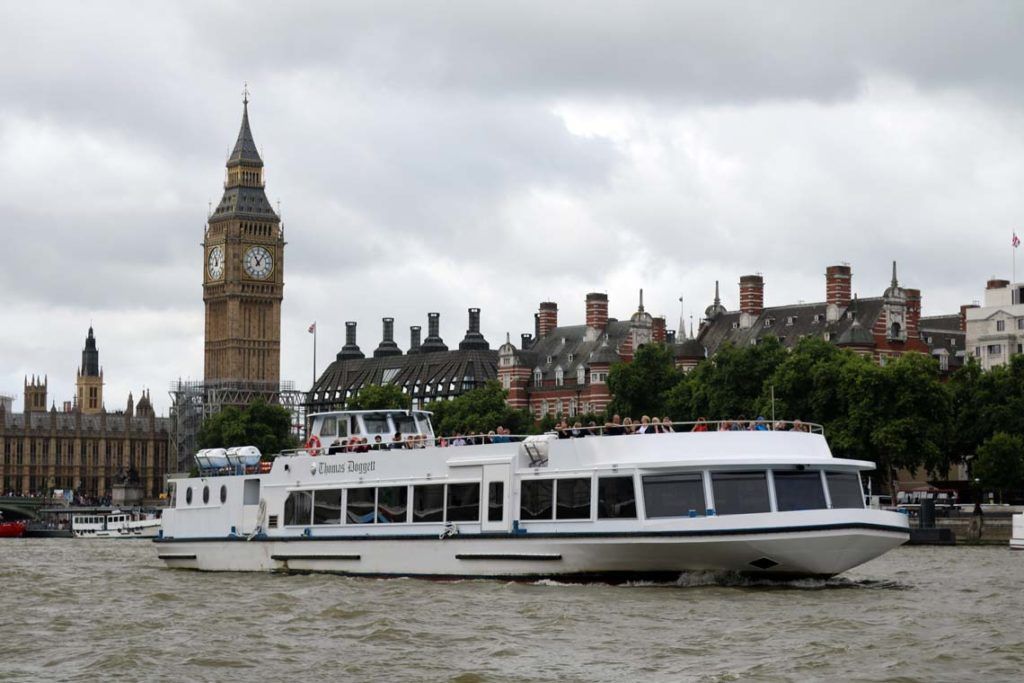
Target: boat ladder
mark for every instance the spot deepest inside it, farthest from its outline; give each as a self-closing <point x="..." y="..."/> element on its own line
<point x="537" y="457"/>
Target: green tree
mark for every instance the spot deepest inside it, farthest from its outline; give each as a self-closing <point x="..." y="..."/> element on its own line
<point x="479" y="411"/>
<point x="266" y="426"/>
<point x="377" y="397"/>
<point x="1000" y="463"/>
<point x="641" y="387"/>
<point x="730" y="384"/>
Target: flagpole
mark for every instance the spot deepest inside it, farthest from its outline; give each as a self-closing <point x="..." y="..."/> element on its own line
<point x="314" y="352"/>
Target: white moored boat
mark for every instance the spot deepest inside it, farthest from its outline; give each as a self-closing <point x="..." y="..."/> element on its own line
<point x="628" y="506"/>
<point x="107" y="523"/>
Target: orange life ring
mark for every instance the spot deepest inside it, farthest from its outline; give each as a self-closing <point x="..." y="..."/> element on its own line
<point x="313" y="445"/>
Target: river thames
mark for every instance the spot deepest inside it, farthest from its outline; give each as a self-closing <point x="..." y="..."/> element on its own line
<point x="75" y="610"/>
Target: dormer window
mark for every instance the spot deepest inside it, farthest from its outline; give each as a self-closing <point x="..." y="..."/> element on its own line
<point x="548" y="361"/>
<point x="570" y="358"/>
<point x="559" y="376"/>
<point x="790" y="319"/>
<point x="768" y="322"/>
<point x="581" y="375"/>
<point x="735" y="326"/>
<point x="538" y="377"/>
<point x="818" y="317"/>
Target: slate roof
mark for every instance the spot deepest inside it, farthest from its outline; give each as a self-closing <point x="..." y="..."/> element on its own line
<point x="244" y="202"/>
<point x="115" y="423"/>
<point x="942" y="333"/>
<point x="430" y="375"/>
<point x="571" y="346"/>
<point x="245" y="152"/>
<point x="788" y="323"/>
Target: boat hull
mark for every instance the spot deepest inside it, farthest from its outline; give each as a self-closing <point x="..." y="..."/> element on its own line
<point x="816" y="552"/>
<point x="12" y="529"/>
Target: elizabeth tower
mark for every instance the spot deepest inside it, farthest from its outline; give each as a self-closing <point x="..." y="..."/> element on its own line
<point x="243" y="281"/>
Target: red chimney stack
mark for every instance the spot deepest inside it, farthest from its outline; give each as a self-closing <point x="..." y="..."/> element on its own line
<point x="752" y="294"/>
<point x="838" y="285"/>
<point x="913" y="312"/>
<point x="547" y="318"/>
<point x="597" y="310"/>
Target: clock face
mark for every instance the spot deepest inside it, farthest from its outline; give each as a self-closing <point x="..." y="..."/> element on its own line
<point x="215" y="263"/>
<point x="258" y="262"/>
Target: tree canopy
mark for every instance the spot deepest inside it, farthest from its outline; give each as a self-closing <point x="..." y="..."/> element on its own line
<point x="640" y="388"/>
<point x="1000" y="463"/>
<point x="479" y="411"/>
<point x="377" y="397"/>
<point x="266" y="426"/>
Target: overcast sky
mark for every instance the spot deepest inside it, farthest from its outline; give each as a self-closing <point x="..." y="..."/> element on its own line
<point x="438" y="156"/>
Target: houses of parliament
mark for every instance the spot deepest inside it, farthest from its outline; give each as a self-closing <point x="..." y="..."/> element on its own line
<point x="84" y="447"/>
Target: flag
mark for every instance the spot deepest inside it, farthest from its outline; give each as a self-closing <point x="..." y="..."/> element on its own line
<point x="312" y="328"/>
<point x="1016" y="240"/>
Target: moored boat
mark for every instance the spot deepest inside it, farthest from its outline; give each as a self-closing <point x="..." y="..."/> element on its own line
<point x="114" y="523"/>
<point x="624" y="506"/>
<point x="11" y="529"/>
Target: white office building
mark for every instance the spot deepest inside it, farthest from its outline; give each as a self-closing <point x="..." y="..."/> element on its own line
<point x="995" y="331"/>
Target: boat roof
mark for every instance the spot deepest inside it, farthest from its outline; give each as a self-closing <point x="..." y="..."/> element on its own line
<point x="402" y="411"/>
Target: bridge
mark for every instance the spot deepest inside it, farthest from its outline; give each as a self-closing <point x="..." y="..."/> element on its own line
<point x="20" y="507"/>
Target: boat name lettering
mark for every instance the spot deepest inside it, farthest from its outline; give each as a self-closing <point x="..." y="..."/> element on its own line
<point x="350" y="466"/>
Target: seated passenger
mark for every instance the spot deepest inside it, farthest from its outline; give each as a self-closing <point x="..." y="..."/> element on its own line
<point x="335" y="447"/>
<point x="577" y="430"/>
<point x="615" y="428"/>
<point x="592" y="429"/>
<point x="645" y="426"/>
<point x="378" y="443"/>
<point x="396" y="441"/>
<point x="627" y="426"/>
<point x="760" y="425"/>
<point x="702" y="424"/>
<point x="666" y="425"/>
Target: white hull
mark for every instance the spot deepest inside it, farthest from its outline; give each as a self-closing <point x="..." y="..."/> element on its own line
<point x="797" y="553"/>
<point x="1017" y="539"/>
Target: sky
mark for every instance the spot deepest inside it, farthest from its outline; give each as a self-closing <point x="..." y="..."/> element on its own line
<point x="440" y="156"/>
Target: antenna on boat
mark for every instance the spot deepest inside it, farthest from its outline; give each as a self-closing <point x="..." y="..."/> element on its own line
<point x="773" y="405"/>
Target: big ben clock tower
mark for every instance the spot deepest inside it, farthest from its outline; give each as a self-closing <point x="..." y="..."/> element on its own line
<point x="243" y="274"/>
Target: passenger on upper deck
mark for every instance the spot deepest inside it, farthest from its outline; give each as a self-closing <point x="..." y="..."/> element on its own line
<point x="702" y="424"/>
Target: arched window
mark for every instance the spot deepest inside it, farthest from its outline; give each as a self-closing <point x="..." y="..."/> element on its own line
<point x="559" y="376"/>
<point x="894" y="331"/>
<point x="581" y="375"/>
<point x="538" y="377"/>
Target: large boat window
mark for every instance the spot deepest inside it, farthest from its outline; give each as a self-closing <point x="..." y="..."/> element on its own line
<point x="674" y="495"/>
<point x="740" y="493"/>
<point x="572" y="499"/>
<point x="616" y="498"/>
<point x="361" y="507"/>
<point x="428" y="503"/>
<point x="206" y="495"/>
<point x="329" y="427"/>
<point x="799" y="491"/>
<point x="496" y="501"/>
<point x="405" y="423"/>
<point x="376" y="423"/>
<point x="327" y="506"/>
<point x="392" y="504"/>
<point x="188" y="496"/>
<point x="535" y="499"/>
<point x="298" y="508"/>
<point x="463" y="502"/>
<point x="223" y="494"/>
<point x="844" y="489"/>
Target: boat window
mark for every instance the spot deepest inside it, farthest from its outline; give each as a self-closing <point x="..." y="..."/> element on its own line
<point x="740" y="493"/>
<point x="405" y="424"/>
<point x="329" y="427"/>
<point x="376" y="423"/>
<point x="535" y="499"/>
<point x="573" y="499"/>
<point x="496" y="501"/>
<point x="327" y="506"/>
<point x="188" y="496"/>
<point x="297" y="508"/>
<point x="392" y="503"/>
<point x="463" y="502"/>
<point x="251" y="492"/>
<point x="615" y="498"/>
<point x="223" y="494"/>
<point x="674" y="495"/>
<point x="361" y="506"/>
<point x="428" y="503"/>
<point x="799" y="491"/>
<point x="206" y="495"/>
<point x="844" y="489"/>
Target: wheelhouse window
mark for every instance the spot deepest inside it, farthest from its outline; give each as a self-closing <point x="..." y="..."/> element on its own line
<point x="428" y="503"/>
<point x="463" y="503"/>
<point x="405" y="424"/>
<point x="535" y="498"/>
<point x="740" y="493"/>
<point x="616" y="498"/>
<point x="844" y="489"/>
<point x="298" y="508"/>
<point x="327" y="506"/>
<point x="361" y="506"/>
<point x="376" y="423"/>
<point x="799" y="490"/>
<point x="392" y="504"/>
<point x="572" y="498"/>
<point x="329" y="427"/>
<point x="674" y="495"/>
<point x="496" y="501"/>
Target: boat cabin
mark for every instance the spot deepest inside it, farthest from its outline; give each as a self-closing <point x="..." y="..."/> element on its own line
<point x="368" y="424"/>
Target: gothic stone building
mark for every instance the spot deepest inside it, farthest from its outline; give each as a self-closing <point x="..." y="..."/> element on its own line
<point x="563" y="370"/>
<point x="427" y="372"/>
<point x="83" y="448"/>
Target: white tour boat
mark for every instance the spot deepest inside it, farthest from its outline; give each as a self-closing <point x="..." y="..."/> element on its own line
<point x="105" y="523"/>
<point x="771" y="503"/>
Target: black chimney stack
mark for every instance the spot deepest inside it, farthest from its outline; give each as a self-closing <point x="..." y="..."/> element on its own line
<point x="433" y="342"/>
<point x="387" y="346"/>
<point x="414" y="339"/>
<point x="474" y="341"/>
<point x="350" y="350"/>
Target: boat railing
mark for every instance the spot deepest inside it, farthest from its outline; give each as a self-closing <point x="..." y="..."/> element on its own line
<point x="361" y="444"/>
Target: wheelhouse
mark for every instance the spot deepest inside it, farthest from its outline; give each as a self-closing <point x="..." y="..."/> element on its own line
<point x="369" y="424"/>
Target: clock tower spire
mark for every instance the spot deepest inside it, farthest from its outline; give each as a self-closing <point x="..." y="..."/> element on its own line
<point x="243" y="280"/>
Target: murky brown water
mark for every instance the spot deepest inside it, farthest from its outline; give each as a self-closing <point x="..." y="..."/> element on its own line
<point x="74" y="610"/>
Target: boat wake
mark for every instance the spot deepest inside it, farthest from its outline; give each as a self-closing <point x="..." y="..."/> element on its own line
<point x="709" y="579"/>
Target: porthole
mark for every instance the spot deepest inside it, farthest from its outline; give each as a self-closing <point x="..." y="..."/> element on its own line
<point x="223" y="494"/>
<point x="188" y="496"/>
<point x="206" y="495"/>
